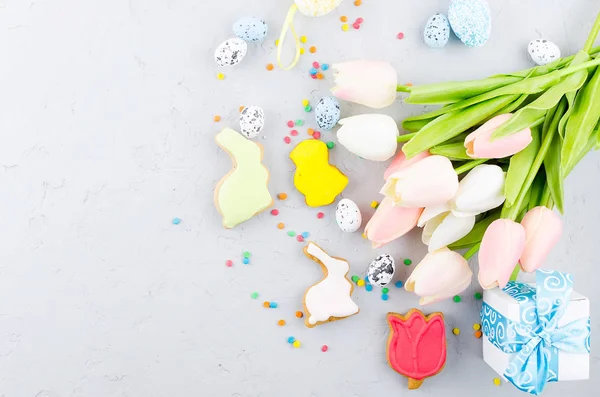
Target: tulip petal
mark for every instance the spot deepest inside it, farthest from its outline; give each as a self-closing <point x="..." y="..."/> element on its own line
<point x="449" y="230"/>
<point x="432" y="212"/>
<point x="369" y="83"/>
<point x="390" y="222"/>
<point x="543" y="228"/>
<point x="481" y="190"/>
<point x="479" y="143"/>
<point x="370" y="136"/>
<point x="400" y="162"/>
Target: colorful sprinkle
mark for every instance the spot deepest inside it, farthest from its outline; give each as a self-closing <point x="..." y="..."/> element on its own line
<point x="456" y="331"/>
<point x="246" y="261"/>
<point x="266" y="304"/>
<point x="303" y="39"/>
<point x="312" y="49"/>
<point x="320" y="76"/>
<point x="305" y="102"/>
<point x="310" y="131"/>
<point x="316" y="135"/>
<point x="399" y="284"/>
<point x="313" y="76"/>
<point x="324" y="66"/>
<point x="220" y="76"/>
<point x="301" y="50"/>
<point x="374" y="204"/>
<point x="355" y="278"/>
<point x="345" y="27"/>
<point x="385" y="290"/>
<point x="476" y="327"/>
<point x="360" y="283"/>
<point x="282" y="196"/>
<point x="343" y="18"/>
<point x="281" y="323"/>
<point x="330" y="145"/>
<point x="273" y="305"/>
<point x="364" y="236"/>
<point x="242" y="107"/>
<point x="294" y="132"/>
<point x="359" y="20"/>
<point x="228" y="263"/>
<point x="280" y="225"/>
<point x="357" y="3"/>
<point x="254" y="295"/>
<point x="274" y="212"/>
<point x="217" y="118"/>
<point x="300" y="122"/>
<point x="407" y="262"/>
<point x="287" y="139"/>
<point x="247" y="254"/>
<point x="299" y="314"/>
<point x="400" y="36"/>
<point x="307" y="108"/>
<point x="291" y="233"/>
<point x="320" y="215"/>
<point x="305" y="234"/>
<point x="316" y="65"/>
<point x="369" y="287"/>
<point x="312" y="71"/>
<point x="291" y="340"/>
<point x="176" y="221"/>
<point x="478" y="334"/>
<point x="296" y="344"/>
<point x="384" y="297"/>
<point x="324" y="348"/>
<point x="477" y="295"/>
<point x="497" y="381"/>
<point x="290" y="123"/>
<point x="457" y="298"/>
<point x="276" y="43"/>
<point x="299" y="238"/>
<point x="270" y="66"/>
<point x="356" y="25"/>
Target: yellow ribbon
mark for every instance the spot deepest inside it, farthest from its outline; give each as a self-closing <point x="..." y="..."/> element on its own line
<point x="289" y="24"/>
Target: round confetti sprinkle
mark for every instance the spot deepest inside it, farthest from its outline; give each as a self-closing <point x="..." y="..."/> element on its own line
<point x="280" y="225"/>
<point x="385" y="290"/>
<point x="320" y="76"/>
<point x="291" y="339"/>
<point x="324" y="66"/>
<point x="299" y="238"/>
<point x="359" y="20"/>
<point x="247" y="254"/>
<point x="385" y="297"/>
<point x="360" y="283"/>
<point x="400" y="36"/>
<point x="290" y="123"/>
<point x="299" y="314"/>
<point x="270" y="66"/>
<point x="296" y="344"/>
<point x="316" y="65"/>
<point x="310" y="131"/>
<point x="228" y="263"/>
<point x="282" y="196"/>
<point x="374" y="204"/>
<point x="398" y="284"/>
<point x="291" y="233"/>
<point x="345" y="27"/>
<point x="246" y="261"/>
<point x="301" y="51"/>
<point x="457" y="298"/>
<point x="354" y="278"/>
<point x="303" y="39"/>
<point x="477" y="295"/>
<point x="356" y="25"/>
<point x="320" y="215"/>
<point x="456" y="331"/>
<point x="266" y="304"/>
<point x="254" y="295"/>
<point x="408" y="84"/>
<point x="343" y="18"/>
<point x="407" y="262"/>
<point x="478" y="334"/>
<point x="220" y="76"/>
<point x="300" y="122"/>
<point x="305" y="234"/>
<point x="313" y="76"/>
<point x="369" y="287"/>
<point x="241" y="108"/>
<point x="176" y="221"/>
<point x="364" y="235"/>
<point x="357" y="3"/>
<point x="305" y="102"/>
<point x="312" y="71"/>
<point x="497" y="381"/>
<point x="274" y="212"/>
<point x="312" y="49"/>
<point x="316" y="135"/>
<point x="217" y="118"/>
<point x="476" y="327"/>
<point x="276" y="43"/>
<point x="324" y="348"/>
<point x="307" y="108"/>
<point x="330" y="145"/>
<point x="281" y="323"/>
<point x="287" y="139"/>
<point x="294" y="132"/>
<point x="273" y="305"/>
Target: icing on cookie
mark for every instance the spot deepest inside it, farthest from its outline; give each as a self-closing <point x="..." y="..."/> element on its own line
<point x="242" y="193"/>
<point x="416" y="346"/>
<point x="329" y="299"/>
<point x="319" y="181"/>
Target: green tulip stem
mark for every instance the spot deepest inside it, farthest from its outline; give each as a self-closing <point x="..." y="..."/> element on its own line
<point x="592" y="36"/>
<point x="403" y="88"/>
<point x="469" y="166"/>
<point x="405" y="137"/>
<point x="472" y="251"/>
<point x="515" y="273"/>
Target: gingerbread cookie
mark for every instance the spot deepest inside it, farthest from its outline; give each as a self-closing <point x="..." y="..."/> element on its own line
<point x="242" y="193"/>
<point x="315" y="178"/>
<point x="416" y="347"/>
<point x="329" y="299"/>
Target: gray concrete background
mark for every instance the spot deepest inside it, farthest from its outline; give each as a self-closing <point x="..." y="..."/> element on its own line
<point x="106" y="134"/>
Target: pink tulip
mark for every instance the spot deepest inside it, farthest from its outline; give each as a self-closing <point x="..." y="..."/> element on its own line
<point x="390" y="222"/>
<point x="480" y="145"/>
<point x="400" y="162"/>
<point x="542" y="231"/>
<point x="428" y="182"/>
<point x="501" y="247"/>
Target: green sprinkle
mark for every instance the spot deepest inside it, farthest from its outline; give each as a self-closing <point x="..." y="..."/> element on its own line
<point x="300" y="122"/>
<point x="407" y="262"/>
<point x="355" y="278"/>
<point x="477" y="295"/>
<point x="457" y="298"/>
<point x="291" y="233"/>
<point x="385" y="290"/>
<point x="254" y="295"/>
<point x="246" y="254"/>
<point x="307" y="108"/>
<point x="330" y="145"/>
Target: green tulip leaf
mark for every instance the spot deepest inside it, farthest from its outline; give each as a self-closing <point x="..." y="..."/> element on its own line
<point x="519" y="167"/>
<point x="454" y="151"/>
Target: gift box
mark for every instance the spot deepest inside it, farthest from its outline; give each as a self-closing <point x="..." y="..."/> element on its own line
<point x="537" y="333"/>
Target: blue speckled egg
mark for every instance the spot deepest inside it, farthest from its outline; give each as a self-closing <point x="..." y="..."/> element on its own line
<point x="327" y="113"/>
<point x="250" y="29"/>
<point x="471" y="21"/>
<point x="437" y="31"/>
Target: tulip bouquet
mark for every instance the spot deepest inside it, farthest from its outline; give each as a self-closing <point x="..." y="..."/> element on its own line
<point x="484" y="171"/>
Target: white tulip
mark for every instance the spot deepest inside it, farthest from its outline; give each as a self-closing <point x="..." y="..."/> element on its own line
<point x="480" y="191"/>
<point x="370" y="136"/>
<point x="432" y="212"/>
<point x="369" y="83"/>
<point x="445" y="229"/>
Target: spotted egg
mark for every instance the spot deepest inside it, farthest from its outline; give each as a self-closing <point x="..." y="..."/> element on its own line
<point x="231" y="52"/>
<point x="471" y="21"/>
<point x="381" y="270"/>
<point x="327" y="113"/>
<point x="347" y="215"/>
<point x="252" y="121"/>
<point x="543" y="51"/>
<point x="437" y="31"/>
<point x="250" y="29"/>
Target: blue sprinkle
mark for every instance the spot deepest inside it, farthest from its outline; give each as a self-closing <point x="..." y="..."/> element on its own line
<point x="176" y="221"/>
<point x="313" y="71"/>
<point x="291" y="339"/>
<point x="305" y="234"/>
<point x="246" y="261"/>
<point x="399" y="284"/>
<point x="384" y="297"/>
<point x="273" y="305"/>
<point x="324" y="66"/>
<point x="367" y="279"/>
<point x="369" y="287"/>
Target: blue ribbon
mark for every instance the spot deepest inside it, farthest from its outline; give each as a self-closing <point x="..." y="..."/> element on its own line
<point x="535" y="341"/>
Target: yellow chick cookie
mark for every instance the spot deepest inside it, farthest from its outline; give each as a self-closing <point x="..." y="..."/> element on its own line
<point x="315" y="178"/>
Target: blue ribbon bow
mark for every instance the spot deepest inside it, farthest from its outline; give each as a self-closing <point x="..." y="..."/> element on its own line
<point x="534" y="342"/>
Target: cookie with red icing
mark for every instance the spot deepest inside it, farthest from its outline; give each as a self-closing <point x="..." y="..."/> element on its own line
<point x="416" y="347"/>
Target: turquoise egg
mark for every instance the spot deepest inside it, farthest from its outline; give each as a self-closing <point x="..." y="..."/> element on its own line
<point x="437" y="31"/>
<point x="250" y="29"/>
<point x="471" y="21"/>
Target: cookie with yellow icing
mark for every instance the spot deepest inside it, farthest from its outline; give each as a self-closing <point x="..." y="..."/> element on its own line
<point x="243" y="192"/>
<point x="315" y="178"/>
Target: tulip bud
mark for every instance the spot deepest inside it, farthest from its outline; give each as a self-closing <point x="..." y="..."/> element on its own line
<point x="479" y="143"/>
<point x="369" y="83"/>
<point x="542" y="231"/>
<point x="480" y="191"/>
<point x="400" y="162"/>
<point x="440" y="275"/>
<point x="445" y="229"/>
<point x="390" y="222"/>
<point x="370" y="136"/>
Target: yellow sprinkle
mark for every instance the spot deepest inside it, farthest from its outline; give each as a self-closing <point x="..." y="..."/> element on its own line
<point x="364" y="235"/>
<point x="345" y="27"/>
<point x="497" y="381"/>
<point x="220" y="76"/>
<point x="276" y="43"/>
<point x="296" y="344"/>
<point x="374" y="204"/>
<point x="305" y="102"/>
<point x="301" y="50"/>
<point x="360" y="283"/>
<point x="456" y="331"/>
<point x="476" y="327"/>
<point x="303" y="39"/>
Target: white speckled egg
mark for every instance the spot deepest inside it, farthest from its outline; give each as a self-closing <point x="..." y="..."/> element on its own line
<point x="327" y="113"/>
<point x="347" y="215"/>
<point x="437" y="31"/>
<point x="231" y="52"/>
<point x="543" y="51"/>
<point x="471" y="21"/>
<point x="381" y="270"/>
<point x="250" y="29"/>
<point x="252" y="121"/>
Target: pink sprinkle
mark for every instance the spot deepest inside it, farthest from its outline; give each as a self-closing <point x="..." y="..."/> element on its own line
<point x="274" y="212"/>
<point x="320" y="215"/>
<point x="356" y="25"/>
<point x="316" y="65"/>
<point x="287" y="139"/>
<point x="359" y="20"/>
<point x="229" y="263"/>
<point x="299" y="238"/>
<point x="400" y="36"/>
<point x="316" y="135"/>
<point x="294" y="132"/>
<point x="290" y="123"/>
<point x="324" y="348"/>
<point x="313" y="76"/>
